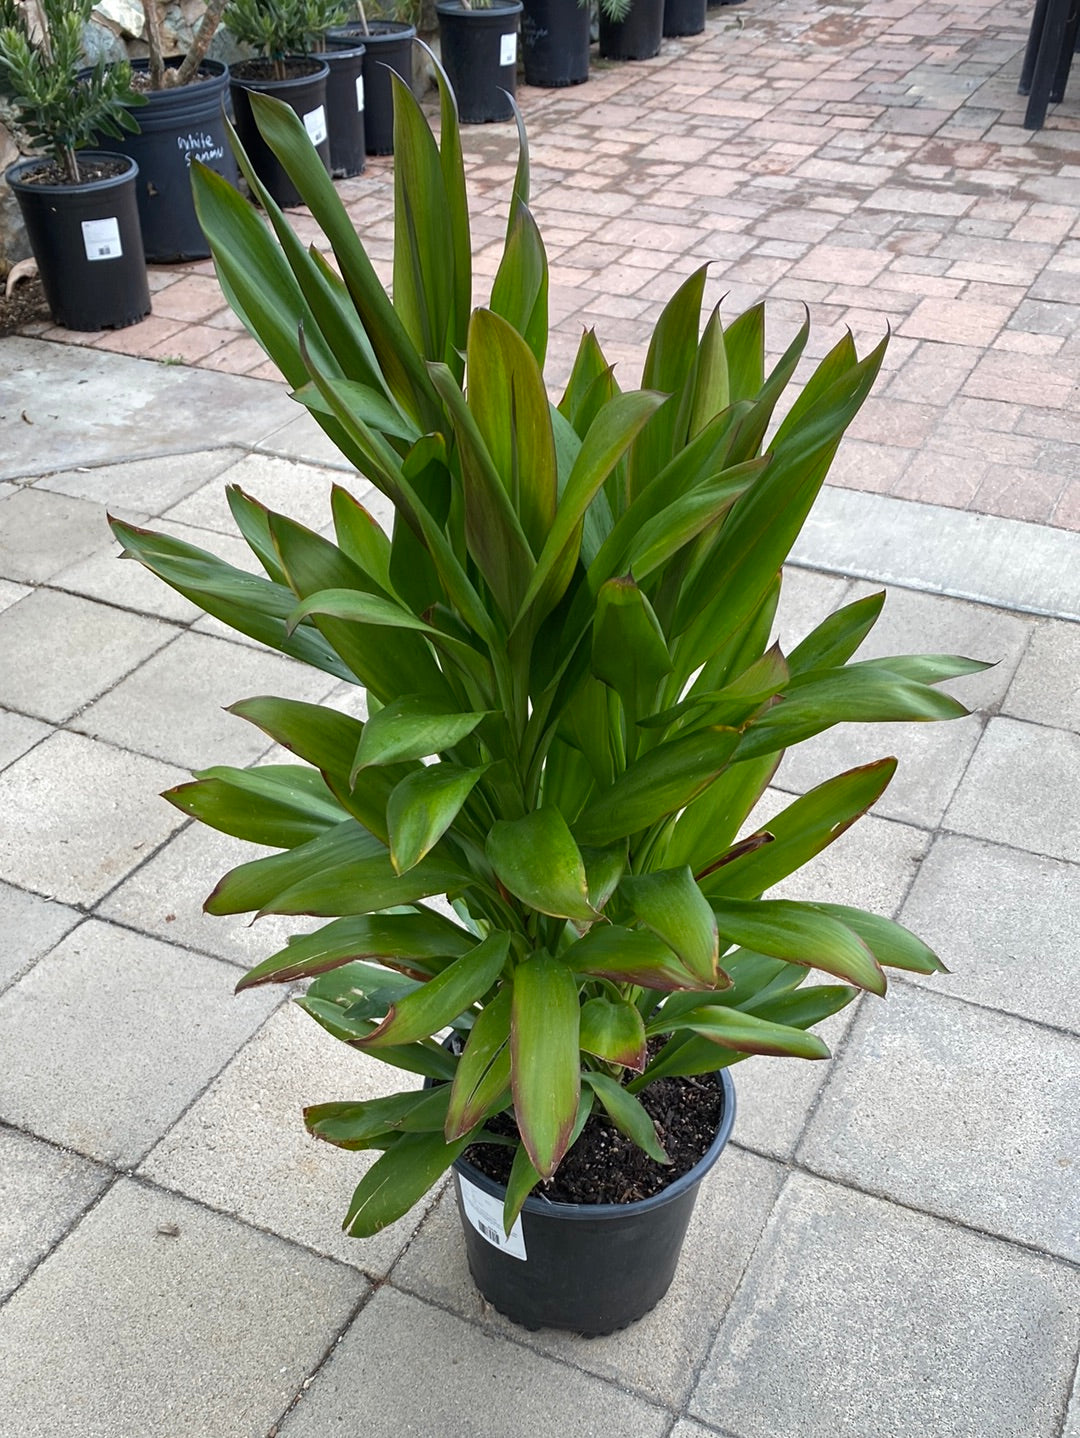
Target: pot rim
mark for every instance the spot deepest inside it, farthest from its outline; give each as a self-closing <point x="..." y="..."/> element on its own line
<point x="377" y="30"/>
<point x="584" y="1212"/>
<point x="320" y="72"/>
<point x="14" y="179"/>
<point x="498" y="9"/>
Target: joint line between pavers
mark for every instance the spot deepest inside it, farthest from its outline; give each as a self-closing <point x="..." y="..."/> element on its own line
<point x="305" y="1384"/>
<point x="1072" y="1393"/>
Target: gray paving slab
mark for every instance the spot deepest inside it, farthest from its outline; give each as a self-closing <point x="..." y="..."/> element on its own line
<point x="1072" y="1421"/>
<point x="859" y="1317"/>
<point x="165" y="897"/>
<point x="108" y="1038"/>
<point x="1022" y="788"/>
<point x="301" y="438"/>
<point x="90" y="647"/>
<point x="775" y="1095"/>
<point x="913" y="623"/>
<point x="932" y="761"/>
<point x="300" y="490"/>
<point x="198" y="676"/>
<point x="659" y="1355"/>
<point x="44" y="533"/>
<point x="141" y="486"/>
<point x="11" y="593"/>
<point x="242" y="1147"/>
<point x="381" y="1381"/>
<point x="93" y="407"/>
<point x="43" y="1190"/>
<point x="1007" y="924"/>
<point x="1046" y="688"/>
<point x="158" y="1317"/>
<point x="76" y="852"/>
<point x="29" y="927"/>
<point x="687" y="1428"/>
<point x="1004" y="562"/>
<point x="18" y="733"/>
<point x="959" y="1111"/>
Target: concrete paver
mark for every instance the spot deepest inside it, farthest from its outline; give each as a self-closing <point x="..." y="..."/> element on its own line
<point x="42" y="1191"/>
<point x="29" y="927"/>
<point x="381" y="1379"/>
<point x="907" y="1324"/>
<point x="158" y="1316"/>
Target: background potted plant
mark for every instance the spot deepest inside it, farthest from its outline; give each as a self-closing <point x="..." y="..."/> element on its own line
<point x="573" y="708"/>
<point x="684" y="17"/>
<point x="182" y="119"/>
<point x="478" y="45"/>
<point x="555" y="37"/>
<point x="387" y="36"/>
<point x="631" y="29"/>
<point x="280" y="31"/>
<point x="78" y="205"/>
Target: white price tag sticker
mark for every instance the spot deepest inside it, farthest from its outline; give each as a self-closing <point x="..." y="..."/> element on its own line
<point x="485" y="1213"/>
<point x="315" y="125"/>
<point x="101" y="239"/>
<point x="508" y="49"/>
<point x="359" y="92"/>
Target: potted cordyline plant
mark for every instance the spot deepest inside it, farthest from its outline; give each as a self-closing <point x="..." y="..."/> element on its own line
<point x="573" y="707"/>
<point x="78" y="204"/>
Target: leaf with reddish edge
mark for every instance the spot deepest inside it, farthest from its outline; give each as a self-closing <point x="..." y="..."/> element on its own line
<point x="733" y="1029"/>
<point x="400" y="1178"/>
<point x="536" y="859"/>
<point x="357" y="1126"/>
<point x="801" y="934"/>
<point x="635" y="956"/>
<point x="545" y="1058"/>
<point x="483" y="1072"/>
<point x="524" y="1178"/>
<point x="443" y="998"/>
<point x="613" y="1030"/>
<point x="670" y="904"/>
<point x="388" y="937"/>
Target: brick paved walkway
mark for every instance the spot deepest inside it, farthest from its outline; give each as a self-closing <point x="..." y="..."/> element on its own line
<point x="865" y="158"/>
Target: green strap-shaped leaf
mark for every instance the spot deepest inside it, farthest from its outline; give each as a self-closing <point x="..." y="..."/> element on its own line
<point x="354" y="1126"/>
<point x="633" y="956"/>
<point x="629" y="652"/>
<point x="397" y="1180"/>
<point x="443" y="998"/>
<point x="412" y="727"/>
<point x="603" y="870"/>
<point x="613" y="1030"/>
<point x="537" y="860"/>
<point x="423" y="806"/>
<point x="888" y="941"/>
<point x="359" y="608"/>
<point x="837" y="638"/>
<point x="252" y="520"/>
<point x="799" y="832"/>
<point x="627" y="1114"/>
<point x="708" y="825"/>
<point x="670" y="904"/>
<point x="423" y="280"/>
<point x="802" y="1008"/>
<point x="281" y="805"/>
<point x="361" y="538"/>
<point x="482" y="1080"/>
<point x="524" y="1177"/>
<point x="510" y="405"/>
<point x="802" y="935"/>
<point x="658" y="784"/>
<point x="732" y="1029"/>
<point x="427" y="1057"/>
<point x="520" y="289"/>
<point x="545" y="1058"/>
<point x="395" y="938"/>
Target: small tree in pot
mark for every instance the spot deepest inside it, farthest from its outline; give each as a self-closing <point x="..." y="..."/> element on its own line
<point x="78" y="205"/>
<point x="573" y="709"/>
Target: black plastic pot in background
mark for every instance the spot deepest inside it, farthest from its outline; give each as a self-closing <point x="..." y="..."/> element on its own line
<point x="479" y="55"/>
<point x="555" y="42"/>
<point x="637" y="37"/>
<point x="684" y="17"/>
<point x="304" y="92"/>
<point x="589" y="1268"/>
<point x="87" y="244"/>
<point x="175" y="127"/>
<point x="345" y="109"/>
<point x="388" y="45"/>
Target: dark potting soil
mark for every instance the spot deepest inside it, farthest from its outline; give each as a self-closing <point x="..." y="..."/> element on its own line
<point x="606" y="1167"/>
<point x="23" y="306"/>
<point x="140" y="81"/>
<point x="263" y="70"/>
<point x="50" y="173"/>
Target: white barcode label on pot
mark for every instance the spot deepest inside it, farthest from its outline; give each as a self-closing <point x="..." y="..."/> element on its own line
<point x="359" y="92"/>
<point x="485" y="1212"/>
<point x="508" y="49"/>
<point x="315" y="125"/>
<point x="101" y="239"/>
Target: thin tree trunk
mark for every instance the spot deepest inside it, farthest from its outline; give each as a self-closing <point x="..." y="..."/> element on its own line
<point x="153" y="40"/>
<point x="200" y="43"/>
<point x="71" y="165"/>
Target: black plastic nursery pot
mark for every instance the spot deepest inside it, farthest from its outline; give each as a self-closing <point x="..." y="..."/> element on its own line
<point x="637" y="37"/>
<point x="684" y="17"/>
<point x="388" y="45"/>
<point x="589" y="1268"/>
<point x="175" y="127"/>
<point x="479" y="55"/>
<point x="345" y="109"/>
<point x="87" y="244"/>
<point x="304" y="92"/>
<point x="555" y="42"/>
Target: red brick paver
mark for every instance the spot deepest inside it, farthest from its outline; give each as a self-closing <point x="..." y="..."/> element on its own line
<point x="866" y="159"/>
